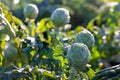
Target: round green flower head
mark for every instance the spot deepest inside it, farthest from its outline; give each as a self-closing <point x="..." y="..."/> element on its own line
<point x="31" y="11"/>
<point x="11" y="53"/>
<point x="85" y="37"/>
<point x="78" y="55"/>
<point x="60" y="17"/>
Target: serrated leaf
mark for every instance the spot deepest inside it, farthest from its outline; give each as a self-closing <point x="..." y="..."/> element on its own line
<point x="78" y="29"/>
<point x="58" y="50"/>
<point x="46" y="73"/>
<point x="20" y="24"/>
<point x="17" y="21"/>
<point x="44" y="24"/>
<point x="9" y="17"/>
<point x="90" y="73"/>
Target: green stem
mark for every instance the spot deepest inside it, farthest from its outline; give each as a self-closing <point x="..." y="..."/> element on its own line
<point x="31" y="28"/>
<point x="107" y="69"/>
<point x="54" y="37"/>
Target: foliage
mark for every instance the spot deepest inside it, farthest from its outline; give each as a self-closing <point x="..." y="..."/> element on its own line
<point x="34" y="51"/>
<point x="105" y="27"/>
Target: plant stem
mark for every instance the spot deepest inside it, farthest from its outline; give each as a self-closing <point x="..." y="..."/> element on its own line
<point x="108" y="73"/>
<point x="31" y="28"/>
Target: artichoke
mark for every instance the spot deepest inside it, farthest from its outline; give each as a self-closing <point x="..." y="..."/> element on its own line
<point x="60" y="17"/>
<point x="11" y="53"/>
<point x="31" y="11"/>
<point x="78" y="55"/>
<point x="85" y="37"/>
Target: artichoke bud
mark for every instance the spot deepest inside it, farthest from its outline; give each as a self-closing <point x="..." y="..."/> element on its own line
<point x="60" y="17"/>
<point x="78" y="55"/>
<point x="31" y="11"/>
<point x="11" y="53"/>
<point x="85" y="37"/>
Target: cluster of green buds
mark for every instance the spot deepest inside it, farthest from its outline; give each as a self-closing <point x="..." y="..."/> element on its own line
<point x="60" y="17"/>
<point x="31" y="11"/>
<point x="79" y="54"/>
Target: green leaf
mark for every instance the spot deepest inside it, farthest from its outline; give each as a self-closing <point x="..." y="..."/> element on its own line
<point x="9" y="17"/>
<point x="43" y="25"/>
<point x="90" y="73"/>
<point x="20" y="24"/>
<point x="58" y="50"/>
<point x="83" y="75"/>
<point x="47" y="73"/>
<point x="17" y="21"/>
<point x="78" y="29"/>
<point x="95" y="53"/>
<point x="91" y="24"/>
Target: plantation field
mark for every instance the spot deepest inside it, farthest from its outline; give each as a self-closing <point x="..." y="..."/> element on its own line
<point x="59" y="40"/>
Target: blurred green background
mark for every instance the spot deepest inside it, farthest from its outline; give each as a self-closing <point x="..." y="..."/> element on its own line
<point x="82" y="11"/>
